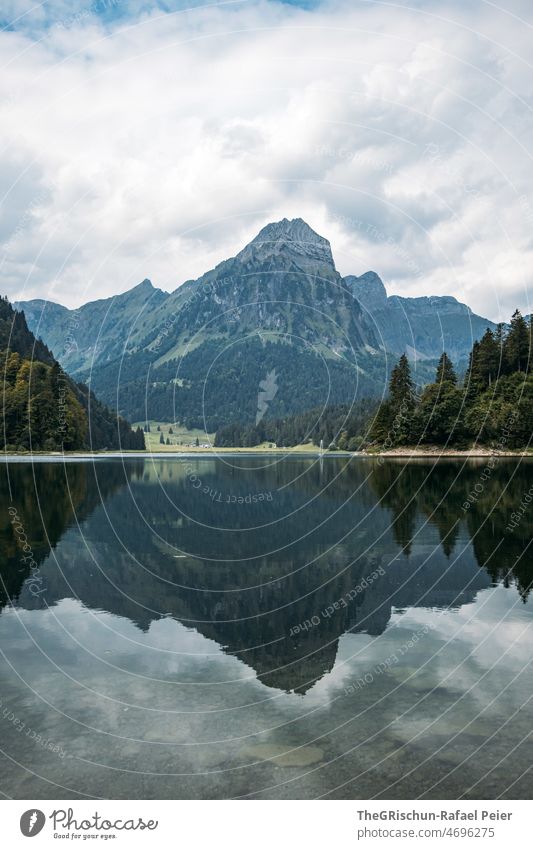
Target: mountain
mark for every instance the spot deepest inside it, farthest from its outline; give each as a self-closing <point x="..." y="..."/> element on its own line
<point x="278" y="314"/>
<point x="201" y="353"/>
<point x="43" y="408"/>
<point x="420" y="327"/>
<point x="94" y="333"/>
<point x="283" y="282"/>
<point x="18" y="339"/>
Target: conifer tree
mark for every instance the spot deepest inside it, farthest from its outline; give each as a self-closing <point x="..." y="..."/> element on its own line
<point x="530" y="359"/>
<point x="445" y="371"/>
<point x="473" y="383"/>
<point x="489" y="358"/>
<point x="401" y="387"/>
<point x="393" y="422"/>
<point x="517" y="344"/>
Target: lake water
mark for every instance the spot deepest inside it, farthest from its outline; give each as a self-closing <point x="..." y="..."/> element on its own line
<point x="266" y="627"/>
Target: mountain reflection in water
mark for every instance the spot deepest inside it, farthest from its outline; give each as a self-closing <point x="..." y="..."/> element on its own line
<point x="276" y="562"/>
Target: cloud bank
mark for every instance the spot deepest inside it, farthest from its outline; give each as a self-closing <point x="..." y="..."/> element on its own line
<point x="142" y="142"/>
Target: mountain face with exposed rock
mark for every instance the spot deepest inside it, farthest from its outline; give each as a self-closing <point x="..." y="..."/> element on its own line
<point x="283" y="286"/>
<point x="420" y="327"/>
<point x="93" y="333"/>
<point x="279" y="308"/>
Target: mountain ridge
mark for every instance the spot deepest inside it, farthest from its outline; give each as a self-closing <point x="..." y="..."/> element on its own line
<point x="422" y="327"/>
<point x="286" y="236"/>
<point x="282" y="291"/>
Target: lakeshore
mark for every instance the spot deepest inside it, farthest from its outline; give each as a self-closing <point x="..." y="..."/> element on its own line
<point x="438" y="451"/>
<point x="167" y="452"/>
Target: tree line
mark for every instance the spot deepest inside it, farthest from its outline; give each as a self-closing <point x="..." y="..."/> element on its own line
<point x="43" y="409"/>
<point x="336" y="426"/>
<point x="492" y="405"/>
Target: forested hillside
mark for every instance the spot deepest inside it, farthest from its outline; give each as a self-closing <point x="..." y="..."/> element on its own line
<point x="213" y="386"/>
<point x="43" y="409"/>
<point x="341" y="426"/>
<point x="492" y="406"/>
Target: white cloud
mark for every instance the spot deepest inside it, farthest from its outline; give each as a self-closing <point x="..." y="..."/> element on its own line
<point x="158" y="145"/>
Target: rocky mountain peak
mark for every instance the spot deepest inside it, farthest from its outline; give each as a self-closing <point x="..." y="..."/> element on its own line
<point x="368" y="289"/>
<point x="139" y="294"/>
<point x="145" y="286"/>
<point x="294" y="236"/>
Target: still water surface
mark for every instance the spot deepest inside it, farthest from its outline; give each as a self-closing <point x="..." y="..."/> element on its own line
<point x="266" y="628"/>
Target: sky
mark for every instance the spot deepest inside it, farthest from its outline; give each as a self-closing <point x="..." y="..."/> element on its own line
<point x="154" y="140"/>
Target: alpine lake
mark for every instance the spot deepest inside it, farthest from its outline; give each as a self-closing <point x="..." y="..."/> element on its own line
<point x="267" y="626"/>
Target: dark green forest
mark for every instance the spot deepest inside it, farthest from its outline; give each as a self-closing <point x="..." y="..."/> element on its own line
<point x="78" y="490"/>
<point x="338" y="426"/>
<point x="43" y="409"/>
<point x="492" y="406"/>
<point x="216" y="384"/>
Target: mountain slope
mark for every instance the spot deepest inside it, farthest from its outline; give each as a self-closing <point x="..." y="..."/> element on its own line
<point x="200" y="353"/>
<point x="42" y="407"/>
<point x="284" y="285"/>
<point x="280" y="308"/>
<point x="421" y="327"/>
<point x="98" y="331"/>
